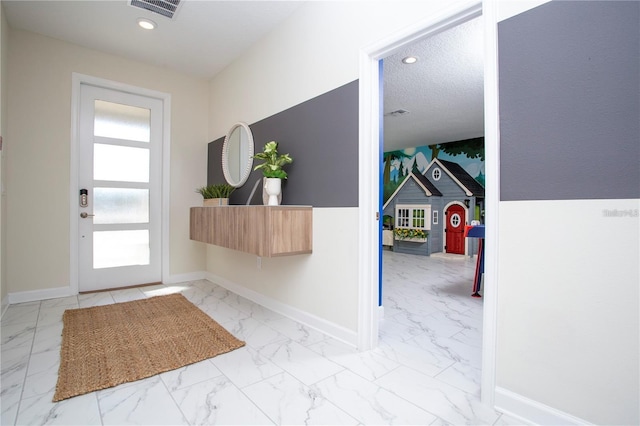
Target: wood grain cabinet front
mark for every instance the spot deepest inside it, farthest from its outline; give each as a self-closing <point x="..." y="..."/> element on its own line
<point x="266" y="231"/>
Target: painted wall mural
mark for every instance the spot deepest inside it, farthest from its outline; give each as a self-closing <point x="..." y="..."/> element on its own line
<point x="437" y="190"/>
<point x="468" y="153"/>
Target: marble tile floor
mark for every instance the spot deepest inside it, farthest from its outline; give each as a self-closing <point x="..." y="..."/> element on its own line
<point x="426" y="369"/>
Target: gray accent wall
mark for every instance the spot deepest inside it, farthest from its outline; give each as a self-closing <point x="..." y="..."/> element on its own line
<point x="321" y="135"/>
<point x="569" y="102"/>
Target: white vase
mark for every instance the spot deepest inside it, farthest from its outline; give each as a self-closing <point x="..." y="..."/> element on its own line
<point x="273" y="188"/>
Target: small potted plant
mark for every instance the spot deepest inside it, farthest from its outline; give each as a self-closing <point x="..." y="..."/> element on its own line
<point x="216" y="195"/>
<point x="272" y="170"/>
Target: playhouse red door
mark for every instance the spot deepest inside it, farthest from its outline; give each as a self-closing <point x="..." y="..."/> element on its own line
<point x="456" y="220"/>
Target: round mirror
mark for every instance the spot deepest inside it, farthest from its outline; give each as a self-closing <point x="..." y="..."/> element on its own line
<point x="237" y="154"/>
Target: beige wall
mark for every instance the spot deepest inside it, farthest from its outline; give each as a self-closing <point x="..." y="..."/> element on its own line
<point x="38" y="158"/>
<point x="4" y="43"/>
<point x="313" y="52"/>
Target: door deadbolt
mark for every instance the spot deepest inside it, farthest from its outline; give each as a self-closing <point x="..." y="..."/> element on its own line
<point x="85" y="215"/>
<point x="84" y="198"/>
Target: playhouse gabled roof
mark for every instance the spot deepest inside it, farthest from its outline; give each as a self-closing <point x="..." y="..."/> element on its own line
<point x="426" y="184"/>
<point x="467" y="183"/>
<point x="422" y="181"/>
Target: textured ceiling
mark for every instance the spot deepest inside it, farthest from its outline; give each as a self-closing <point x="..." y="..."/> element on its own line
<point x="443" y="91"/>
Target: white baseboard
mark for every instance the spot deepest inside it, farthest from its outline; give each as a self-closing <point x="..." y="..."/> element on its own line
<point x="330" y="329"/>
<point x="181" y="278"/>
<point x="4" y="304"/>
<point x="34" y="295"/>
<point x="52" y="293"/>
<point x="530" y="411"/>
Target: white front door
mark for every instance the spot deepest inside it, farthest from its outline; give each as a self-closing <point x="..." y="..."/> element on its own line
<point x="119" y="189"/>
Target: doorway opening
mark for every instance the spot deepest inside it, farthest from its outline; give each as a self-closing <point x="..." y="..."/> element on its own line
<point x="370" y="160"/>
<point x="433" y="187"/>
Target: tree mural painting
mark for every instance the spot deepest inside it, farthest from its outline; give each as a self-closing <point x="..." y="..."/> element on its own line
<point x="471" y="148"/>
<point x="388" y="158"/>
<point x="469" y="153"/>
<point x="414" y="167"/>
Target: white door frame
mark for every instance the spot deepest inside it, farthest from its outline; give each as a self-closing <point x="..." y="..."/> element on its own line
<point x="77" y="80"/>
<point x="369" y="174"/>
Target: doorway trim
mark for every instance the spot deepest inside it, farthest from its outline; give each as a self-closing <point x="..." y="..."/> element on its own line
<point x="369" y="171"/>
<point x="77" y="80"/>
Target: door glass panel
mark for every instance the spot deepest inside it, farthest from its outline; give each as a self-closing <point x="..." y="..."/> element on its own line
<point x="121" y="121"/>
<point x="120" y="248"/>
<point x="120" y="163"/>
<point x="120" y="205"/>
<point x="455" y="220"/>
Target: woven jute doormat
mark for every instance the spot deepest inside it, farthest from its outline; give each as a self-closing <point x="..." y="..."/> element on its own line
<point x="105" y="346"/>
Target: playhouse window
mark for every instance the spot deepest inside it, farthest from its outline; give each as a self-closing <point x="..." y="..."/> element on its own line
<point x="435" y="217"/>
<point x="413" y="216"/>
<point x="436" y="173"/>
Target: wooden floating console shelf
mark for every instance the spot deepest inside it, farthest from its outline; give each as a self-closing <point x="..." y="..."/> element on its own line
<point x="265" y="231"/>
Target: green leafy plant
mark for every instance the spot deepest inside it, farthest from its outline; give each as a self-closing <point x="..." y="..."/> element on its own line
<point x="219" y="190"/>
<point x="408" y="233"/>
<point x="273" y="162"/>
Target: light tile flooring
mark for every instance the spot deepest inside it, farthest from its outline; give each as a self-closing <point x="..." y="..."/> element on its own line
<point x="426" y="369"/>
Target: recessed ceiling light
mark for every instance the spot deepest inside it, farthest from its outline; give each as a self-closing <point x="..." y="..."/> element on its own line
<point x="147" y="24"/>
<point x="409" y="60"/>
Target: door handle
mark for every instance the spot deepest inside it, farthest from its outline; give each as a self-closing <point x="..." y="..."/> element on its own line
<point x="85" y="215"/>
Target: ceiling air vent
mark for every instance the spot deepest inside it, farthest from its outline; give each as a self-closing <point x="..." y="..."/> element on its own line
<point x="166" y="8"/>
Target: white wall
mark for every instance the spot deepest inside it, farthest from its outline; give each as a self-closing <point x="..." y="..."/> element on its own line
<point x="568" y="306"/>
<point x="4" y="43"/>
<point x="509" y="8"/>
<point x="553" y="314"/>
<point x="568" y="324"/>
<point x="315" y="51"/>
<point x="37" y="146"/>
